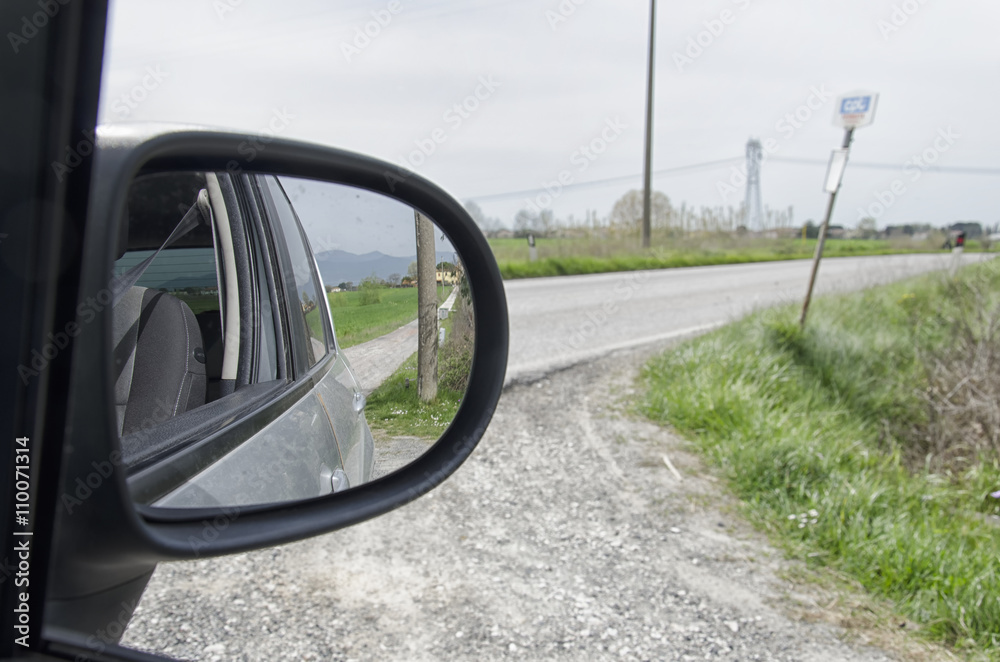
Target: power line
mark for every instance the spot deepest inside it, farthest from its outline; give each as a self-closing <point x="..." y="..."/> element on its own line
<point x="958" y="170"/>
<point x="593" y="183"/>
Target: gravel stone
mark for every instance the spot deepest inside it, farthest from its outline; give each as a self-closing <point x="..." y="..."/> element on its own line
<point x="564" y="537"/>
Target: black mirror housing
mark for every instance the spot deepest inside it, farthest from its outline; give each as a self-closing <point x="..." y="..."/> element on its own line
<point x="115" y="542"/>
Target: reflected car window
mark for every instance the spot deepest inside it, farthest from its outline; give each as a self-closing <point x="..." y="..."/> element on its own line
<point x="299" y="275"/>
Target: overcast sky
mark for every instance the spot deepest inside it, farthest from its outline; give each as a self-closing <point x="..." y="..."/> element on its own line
<point x="536" y="80"/>
<point x="338" y="217"/>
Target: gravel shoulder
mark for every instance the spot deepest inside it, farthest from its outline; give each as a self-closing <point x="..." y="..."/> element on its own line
<point x="565" y="536"/>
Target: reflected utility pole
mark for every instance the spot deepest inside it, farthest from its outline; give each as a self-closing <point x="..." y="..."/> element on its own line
<point x="647" y="170"/>
<point x="427" y="305"/>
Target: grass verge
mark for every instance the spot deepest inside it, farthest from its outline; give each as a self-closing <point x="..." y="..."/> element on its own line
<point x="563" y="257"/>
<point x="356" y="323"/>
<point x="821" y="434"/>
<point x="395" y="410"/>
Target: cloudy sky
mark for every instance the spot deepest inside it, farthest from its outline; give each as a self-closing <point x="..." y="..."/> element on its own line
<point x="497" y="100"/>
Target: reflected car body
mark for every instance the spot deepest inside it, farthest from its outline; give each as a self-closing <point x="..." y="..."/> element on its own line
<point x="249" y="277"/>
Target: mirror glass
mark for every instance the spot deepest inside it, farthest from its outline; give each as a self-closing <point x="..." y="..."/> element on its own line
<point x="280" y="339"/>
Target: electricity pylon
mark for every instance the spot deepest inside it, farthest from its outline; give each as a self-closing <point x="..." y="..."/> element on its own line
<point x="752" y="205"/>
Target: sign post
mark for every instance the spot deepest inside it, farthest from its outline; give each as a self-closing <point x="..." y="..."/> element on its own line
<point x="853" y="111"/>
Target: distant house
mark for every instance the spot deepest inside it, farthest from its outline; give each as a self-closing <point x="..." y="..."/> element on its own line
<point x="447" y="277"/>
<point x="448" y="273"/>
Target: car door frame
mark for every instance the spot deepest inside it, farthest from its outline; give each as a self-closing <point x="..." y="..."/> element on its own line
<point x="220" y="435"/>
<point x="254" y="188"/>
<point x="50" y="79"/>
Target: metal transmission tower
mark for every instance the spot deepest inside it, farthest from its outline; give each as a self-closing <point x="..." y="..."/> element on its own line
<point x="754" y="219"/>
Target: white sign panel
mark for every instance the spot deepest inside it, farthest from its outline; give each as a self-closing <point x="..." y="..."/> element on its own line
<point x="835" y="171"/>
<point x="855" y="110"/>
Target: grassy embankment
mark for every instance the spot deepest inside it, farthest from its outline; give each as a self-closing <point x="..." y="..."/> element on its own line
<point x="593" y="254"/>
<point x="868" y="443"/>
<point x="356" y="323"/>
<point x="394" y="409"/>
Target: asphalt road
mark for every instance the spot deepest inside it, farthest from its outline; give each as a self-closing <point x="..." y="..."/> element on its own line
<point x="564" y="536"/>
<point x="558" y="322"/>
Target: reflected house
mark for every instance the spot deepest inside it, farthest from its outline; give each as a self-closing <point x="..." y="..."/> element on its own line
<point x="445" y="273"/>
<point x="448" y="273"/>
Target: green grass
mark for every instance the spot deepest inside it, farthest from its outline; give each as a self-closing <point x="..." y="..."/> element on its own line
<point x="315" y="323"/>
<point x="585" y="255"/>
<point x="198" y="303"/>
<point x="395" y="409"/>
<point x="355" y="323"/>
<point x="811" y="430"/>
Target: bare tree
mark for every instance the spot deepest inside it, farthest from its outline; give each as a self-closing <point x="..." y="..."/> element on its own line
<point x="627" y="211"/>
<point x="486" y="223"/>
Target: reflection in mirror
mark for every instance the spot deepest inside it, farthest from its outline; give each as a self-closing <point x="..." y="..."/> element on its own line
<point x="280" y="339"/>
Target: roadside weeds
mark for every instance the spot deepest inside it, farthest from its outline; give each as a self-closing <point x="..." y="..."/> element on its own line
<point x="810" y="431"/>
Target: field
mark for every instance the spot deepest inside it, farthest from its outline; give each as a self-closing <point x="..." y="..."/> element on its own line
<point x="866" y="444"/>
<point x="598" y="254"/>
<point x="355" y="323"/>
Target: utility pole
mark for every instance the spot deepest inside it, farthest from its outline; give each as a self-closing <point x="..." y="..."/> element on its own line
<point x="647" y="170"/>
<point x="427" y="305"/>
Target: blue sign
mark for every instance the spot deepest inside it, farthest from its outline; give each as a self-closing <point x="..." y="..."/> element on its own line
<point x="855" y="105"/>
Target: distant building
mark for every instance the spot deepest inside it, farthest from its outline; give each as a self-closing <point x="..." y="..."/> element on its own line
<point x="447" y="277"/>
<point x="448" y="273"/>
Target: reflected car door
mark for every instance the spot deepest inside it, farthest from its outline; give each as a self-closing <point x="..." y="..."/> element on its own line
<point x="338" y="390"/>
<point x="321" y="444"/>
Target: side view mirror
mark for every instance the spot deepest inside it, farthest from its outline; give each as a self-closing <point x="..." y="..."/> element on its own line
<point x="260" y="364"/>
<point x="268" y="285"/>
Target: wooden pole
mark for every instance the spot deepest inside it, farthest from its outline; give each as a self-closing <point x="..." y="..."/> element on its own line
<point x="427" y="306"/>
